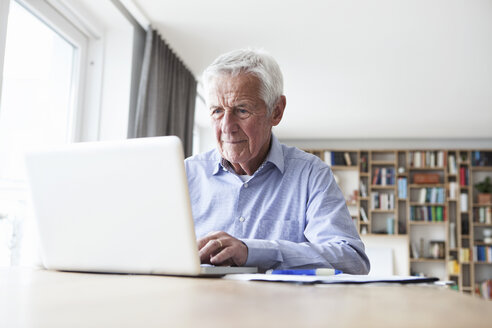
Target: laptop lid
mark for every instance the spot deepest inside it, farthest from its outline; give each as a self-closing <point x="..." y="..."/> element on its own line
<point x="115" y="206"/>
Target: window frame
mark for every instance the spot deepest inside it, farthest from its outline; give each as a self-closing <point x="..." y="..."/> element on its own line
<point x="4" y="14"/>
<point x="60" y="25"/>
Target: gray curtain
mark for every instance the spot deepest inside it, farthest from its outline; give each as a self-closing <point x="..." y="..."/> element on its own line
<point x="166" y="95"/>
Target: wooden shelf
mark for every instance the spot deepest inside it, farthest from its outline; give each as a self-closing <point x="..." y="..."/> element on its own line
<point x="481" y="243"/>
<point x="427" y="168"/>
<point x="426" y="260"/>
<point x="482" y="205"/>
<point x="382" y="211"/>
<point x="477" y="224"/>
<point x="386" y="163"/>
<point x="481" y="168"/>
<point x="482" y="262"/>
<point x="382" y="187"/>
<point x="426" y="222"/>
<point x="427" y="204"/>
<point x="436" y="185"/>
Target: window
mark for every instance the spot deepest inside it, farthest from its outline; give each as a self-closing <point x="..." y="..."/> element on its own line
<point x="66" y="76"/>
<point x="42" y="71"/>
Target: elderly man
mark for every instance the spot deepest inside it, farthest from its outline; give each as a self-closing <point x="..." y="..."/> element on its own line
<point x="257" y="202"/>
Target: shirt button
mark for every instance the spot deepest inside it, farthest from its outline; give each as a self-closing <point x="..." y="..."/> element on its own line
<point x="242" y="219"/>
<point x="245" y="185"/>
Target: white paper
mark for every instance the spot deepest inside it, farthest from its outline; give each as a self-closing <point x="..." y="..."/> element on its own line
<point x="339" y="278"/>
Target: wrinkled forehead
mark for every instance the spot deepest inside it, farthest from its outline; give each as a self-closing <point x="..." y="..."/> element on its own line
<point x="232" y="86"/>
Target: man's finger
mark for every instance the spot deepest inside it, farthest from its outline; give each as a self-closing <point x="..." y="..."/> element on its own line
<point x="212" y="247"/>
<point x="203" y="241"/>
<point x="224" y="257"/>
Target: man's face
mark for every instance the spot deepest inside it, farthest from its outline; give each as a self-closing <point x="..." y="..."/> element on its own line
<point x="242" y="124"/>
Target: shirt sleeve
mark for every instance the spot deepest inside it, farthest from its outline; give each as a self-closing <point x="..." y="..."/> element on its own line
<point x="332" y="238"/>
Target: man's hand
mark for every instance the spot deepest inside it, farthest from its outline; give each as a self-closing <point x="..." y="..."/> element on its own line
<point x="220" y="248"/>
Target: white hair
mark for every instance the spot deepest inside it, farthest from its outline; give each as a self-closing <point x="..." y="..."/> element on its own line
<point x="253" y="61"/>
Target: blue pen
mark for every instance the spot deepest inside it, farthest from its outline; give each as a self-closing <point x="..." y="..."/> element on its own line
<point x="307" y="272"/>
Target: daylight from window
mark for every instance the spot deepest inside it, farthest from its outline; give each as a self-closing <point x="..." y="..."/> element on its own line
<point x="35" y="110"/>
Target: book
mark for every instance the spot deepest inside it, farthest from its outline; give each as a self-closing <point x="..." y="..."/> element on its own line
<point x="464" y="255"/>
<point x="481" y="214"/>
<point x="363" y="189"/>
<point x="422" y="195"/>
<point x="417" y="159"/>
<point x="375" y="177"/>
<point x="375" y="201"/>
<point x="338" y="158"/>
<point x="463" y="176"/>
<point x="452" y="164"/>
<point x="482" y="158"/>
<point x="363" y="215"/>
<point x="432" y="159"/>
<point x="453" y="190"/>
<point x="440" y="159"/>
<point x="348" y="161"/>
<point x="384" y="201"/>
<point x="484" y="289"/>
<point x="439" y="213"/>
<point x="464" y="202"/>
<point x="402" y="188"/>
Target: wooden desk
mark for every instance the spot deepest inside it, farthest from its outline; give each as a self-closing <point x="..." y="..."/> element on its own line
<point x="37" y="298"/>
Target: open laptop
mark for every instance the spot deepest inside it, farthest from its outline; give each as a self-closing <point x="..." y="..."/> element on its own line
<point x="116" y="207"/>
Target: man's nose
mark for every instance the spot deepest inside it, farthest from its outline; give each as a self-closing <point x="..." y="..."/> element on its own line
<point x="229" y="122"/>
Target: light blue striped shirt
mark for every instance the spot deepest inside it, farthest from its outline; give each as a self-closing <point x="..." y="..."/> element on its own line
<point x="290" y="213"/>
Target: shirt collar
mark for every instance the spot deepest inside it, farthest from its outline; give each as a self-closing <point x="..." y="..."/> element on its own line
<point x="275" y="156"/>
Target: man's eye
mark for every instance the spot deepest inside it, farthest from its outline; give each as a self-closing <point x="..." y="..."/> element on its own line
<point x="242" y="113"/>
<point x="217" y="112"/>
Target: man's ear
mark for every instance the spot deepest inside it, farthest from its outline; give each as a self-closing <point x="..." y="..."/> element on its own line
<point x="278" y="111"/>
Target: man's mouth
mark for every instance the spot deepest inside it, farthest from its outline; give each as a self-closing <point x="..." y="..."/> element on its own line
<point x="233" y="141"/>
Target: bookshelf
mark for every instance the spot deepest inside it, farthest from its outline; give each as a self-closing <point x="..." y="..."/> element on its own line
<point x="427" y="212"/>
<point x="382" y="199"/>
<point x="480" y="212"/>
<point x="430" y="195"/>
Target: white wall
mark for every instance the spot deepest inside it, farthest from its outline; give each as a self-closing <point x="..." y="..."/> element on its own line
<point x="390" y="143"/>
<point x="116" y="83"/>
<point x="207" y="141"/>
